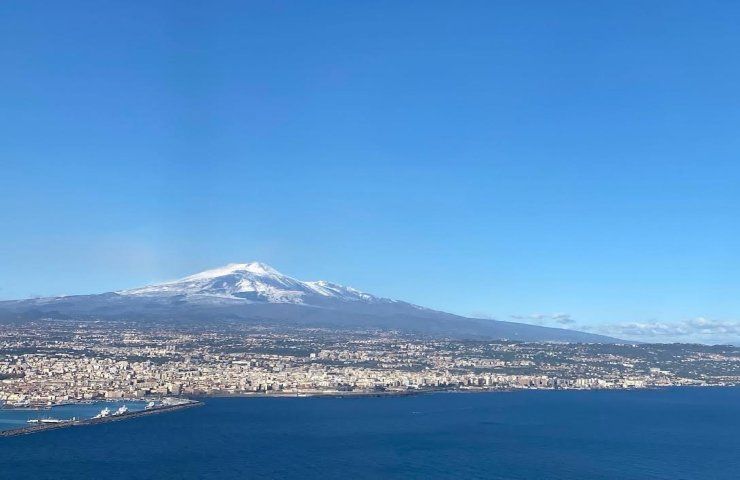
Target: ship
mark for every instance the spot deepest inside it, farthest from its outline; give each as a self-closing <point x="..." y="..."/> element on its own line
<point x="150" y="405"/>
<point x="103" y="413"/>
<point x="123" y="409"/>
<point x="48" y="420"/>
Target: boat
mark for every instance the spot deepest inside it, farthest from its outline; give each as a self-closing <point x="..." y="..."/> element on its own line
<point x="123" y="409"/>
<point x="150" y="405"/>
<point x="48" y="420"/>
<point x="51" y="420"/>
<point x="103" y="413"/>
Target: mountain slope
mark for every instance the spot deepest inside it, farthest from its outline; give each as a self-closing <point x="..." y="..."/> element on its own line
<point x="257" y="293"/>
<point x="252" y="282"/>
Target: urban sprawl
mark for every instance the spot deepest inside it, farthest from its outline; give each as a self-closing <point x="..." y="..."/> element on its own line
<point x="48" y="362"/>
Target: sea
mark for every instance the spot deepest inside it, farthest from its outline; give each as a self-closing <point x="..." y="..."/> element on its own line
<point x="671" y="434"/>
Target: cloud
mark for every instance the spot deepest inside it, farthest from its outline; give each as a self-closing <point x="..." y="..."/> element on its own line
<point x="546" y="318"/>
<point x="699" y="329"/>
<point x="563" y="318"/>
<point x="693" y="330"/>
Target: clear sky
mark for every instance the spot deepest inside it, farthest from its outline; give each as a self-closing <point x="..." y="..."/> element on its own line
<point x="572" y="163"/>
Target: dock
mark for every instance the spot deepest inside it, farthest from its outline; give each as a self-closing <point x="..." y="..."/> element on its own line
<point x="96" y="421"/>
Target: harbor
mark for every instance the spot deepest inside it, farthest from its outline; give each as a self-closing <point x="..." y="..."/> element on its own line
<point x="106" y="415"/>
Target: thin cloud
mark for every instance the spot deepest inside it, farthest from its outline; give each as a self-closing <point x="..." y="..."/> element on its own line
<point x="562" y="319"/>
<point x="699" y="329"/>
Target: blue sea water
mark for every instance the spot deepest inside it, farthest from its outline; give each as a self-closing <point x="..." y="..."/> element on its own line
<point x="649" y="434"/>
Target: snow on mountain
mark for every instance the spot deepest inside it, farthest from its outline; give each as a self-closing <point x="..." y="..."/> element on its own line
<point x="257" y="294"/>
<point x="253" y="282"/>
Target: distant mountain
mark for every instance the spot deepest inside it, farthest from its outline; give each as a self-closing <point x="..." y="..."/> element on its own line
<point x="257" y="293"/>
<point x="252" y="283"/>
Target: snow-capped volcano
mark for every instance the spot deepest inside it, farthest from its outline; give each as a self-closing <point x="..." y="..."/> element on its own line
<point x="255" y="293"/>
<point x="252" y="282"/>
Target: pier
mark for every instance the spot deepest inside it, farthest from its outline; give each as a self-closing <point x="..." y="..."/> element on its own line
<point x="96" y="421"/>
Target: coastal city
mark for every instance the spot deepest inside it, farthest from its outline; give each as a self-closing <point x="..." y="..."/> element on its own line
<point x="50" y="362"/>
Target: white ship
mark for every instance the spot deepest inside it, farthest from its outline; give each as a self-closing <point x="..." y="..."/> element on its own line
<point x="103" y="413"/>
<point x="123" y="409"/>
<point x="150" y="405"/>
<point x="48" y="420"/>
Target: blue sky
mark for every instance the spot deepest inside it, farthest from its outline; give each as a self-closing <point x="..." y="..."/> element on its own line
<point x="571" y="163"/>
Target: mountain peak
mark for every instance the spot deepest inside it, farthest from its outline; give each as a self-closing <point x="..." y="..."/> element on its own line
<point x="257" y="268"/>
<point x="248" y="291"/>
<point x="253" y="282"/>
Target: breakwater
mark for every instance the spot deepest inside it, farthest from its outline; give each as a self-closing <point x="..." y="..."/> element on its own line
<point x="96" y="421"/>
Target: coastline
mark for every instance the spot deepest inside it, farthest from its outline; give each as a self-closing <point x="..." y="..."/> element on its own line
<point x="28" y="430"/>
<point x="198" y="400"/>
<point x="405" y="393"/>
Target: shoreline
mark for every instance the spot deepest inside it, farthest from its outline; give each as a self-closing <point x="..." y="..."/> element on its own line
<point x="28" y="430"/>
<point x="360" y="393"/>
<point x="198" y="400"/>
<point x="407" y="393"/>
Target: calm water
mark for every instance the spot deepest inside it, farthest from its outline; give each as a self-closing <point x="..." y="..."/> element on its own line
<point x="669" y="434"/>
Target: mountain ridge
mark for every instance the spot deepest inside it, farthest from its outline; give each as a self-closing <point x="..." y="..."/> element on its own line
<point x="257" y="293"/>
<point x="254" y="281"/>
